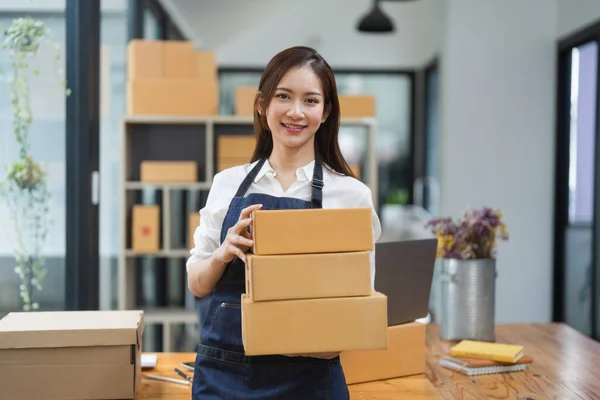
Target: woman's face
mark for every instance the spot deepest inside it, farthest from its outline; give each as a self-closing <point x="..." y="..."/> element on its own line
<point x="297" y="109"/>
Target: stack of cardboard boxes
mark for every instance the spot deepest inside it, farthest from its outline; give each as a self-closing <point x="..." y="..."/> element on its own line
<point x="170" y="78"/>
<point x="308" y="284"/>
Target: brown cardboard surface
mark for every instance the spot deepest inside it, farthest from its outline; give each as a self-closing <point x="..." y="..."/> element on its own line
<point x="145" y="59"/>
<point x="193" y="223"/>
<point x="244" y="100"/>
<point x="180" y="60"/>
<point x="71" y="355"/>
<point x="169" y="171"/>
<point x="357" y="106"/>
<point x="172" y="97"/>
<point x="314" y="325"/>
<point x="235" y="146"/>
<point x="69" y="328"/>
<point x="145" y="228"/>
<point x="207" y="66"/>
<point x="305" y="276"/>
<point x="225" y="163"/>
<point x="405" y="355"/>
<point x="312" y="231"/>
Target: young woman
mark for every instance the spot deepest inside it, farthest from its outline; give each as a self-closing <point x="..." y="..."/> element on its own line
<point x="297" y="164"/>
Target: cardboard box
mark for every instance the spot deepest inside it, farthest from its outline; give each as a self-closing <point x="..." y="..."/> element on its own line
<point x="193" y="223"/>
<point x="314" y="325"/>
<point x="180" y="60"/>
<point x="168" y="171"/>
<point x="145" y="59"/>
<point x="172" y="97"/>
<point x="312" y="231"/>
<point x="70" y="355"/>
<point x="206" y="64"/>
<point x="244" y="100"/>
<point x="357" y="106"/>
<point x="305" y="276"/>
<point x="145" y="228"/>
<point x="405" y="355"/>
<point x="225" y="163"/>
<point x="235" y="146"/>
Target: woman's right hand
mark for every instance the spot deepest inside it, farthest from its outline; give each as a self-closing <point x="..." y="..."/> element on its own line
<point x="238" y="239"/>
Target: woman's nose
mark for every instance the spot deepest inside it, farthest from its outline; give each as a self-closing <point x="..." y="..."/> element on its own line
<point x="295" y="111"/>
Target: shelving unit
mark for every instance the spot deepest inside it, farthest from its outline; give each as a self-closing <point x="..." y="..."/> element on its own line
<point x="172" y="138"/>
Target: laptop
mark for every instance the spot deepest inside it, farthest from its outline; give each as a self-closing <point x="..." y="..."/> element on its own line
<point x="404" y="272"/>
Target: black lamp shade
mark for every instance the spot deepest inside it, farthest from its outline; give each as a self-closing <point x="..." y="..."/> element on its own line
<point x="376" y="21"/>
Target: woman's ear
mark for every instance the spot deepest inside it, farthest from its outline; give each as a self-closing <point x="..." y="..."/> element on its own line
<point x="326" y="112"/>
<point x="259" y="103"/>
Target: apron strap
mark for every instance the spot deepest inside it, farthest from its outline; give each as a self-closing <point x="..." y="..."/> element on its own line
<point x="316" y="200"/>
<point x="249" y="178"/>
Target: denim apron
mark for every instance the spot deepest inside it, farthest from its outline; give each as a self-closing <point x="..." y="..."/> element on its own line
<point x="222" y="370"/>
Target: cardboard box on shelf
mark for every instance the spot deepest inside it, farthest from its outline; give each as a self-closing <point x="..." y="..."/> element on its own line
<point x="314" y="325"/>
<point x="180" y="60"/>
<point x="312" y="231"/>
<point x="225" y="163"/>
<point x="244" y="100"/>
<point x="169" y="171"/>
<point x="235" y="147"/>
<point x="145" y="228"/>
<point x="357" y="106"/>
<point x="187" y="97"/>
<point x="57" y="355"/>
<point x="193" y="223"/>
<point x="145" y="59"/>
<point x="305" y="276"/>
<point x="405" y="355"/>
<point x="206" y="64"/>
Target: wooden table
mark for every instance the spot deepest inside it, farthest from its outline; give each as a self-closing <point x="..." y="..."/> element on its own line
<point x="566" y="366"/>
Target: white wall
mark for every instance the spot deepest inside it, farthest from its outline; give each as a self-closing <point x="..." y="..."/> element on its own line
<point x="573" y="15"/>
<point x="256" y="30"/>
<point x="497" y="133"/>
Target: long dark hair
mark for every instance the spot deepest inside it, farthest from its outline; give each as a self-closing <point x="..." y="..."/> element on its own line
<point x="327" y="149"/>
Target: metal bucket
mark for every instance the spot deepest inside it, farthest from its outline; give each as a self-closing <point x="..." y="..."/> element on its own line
<point x="468" y="299"/>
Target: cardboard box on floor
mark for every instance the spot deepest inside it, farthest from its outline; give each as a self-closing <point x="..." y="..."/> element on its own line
<point x="314" y="325"/>
<point x="305" y="276"/>
<point x="312" y="231"/>
<point x="405" y="355"/>
<point x="63" y="355"/>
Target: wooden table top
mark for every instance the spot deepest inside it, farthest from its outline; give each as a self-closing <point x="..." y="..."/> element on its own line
<point x="566" y="365"/>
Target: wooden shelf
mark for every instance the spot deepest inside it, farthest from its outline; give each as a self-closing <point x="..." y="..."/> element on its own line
<point x="135" y="185"/>
<point x="221" y="119"/>
<point x="173" y="253"/>
<point x="170" y="315"/>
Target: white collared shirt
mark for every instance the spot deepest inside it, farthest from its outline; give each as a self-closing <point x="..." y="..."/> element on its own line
<point x="339" y="191"/>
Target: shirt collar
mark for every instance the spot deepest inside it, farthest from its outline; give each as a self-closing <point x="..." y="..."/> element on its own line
<point x="306" y="170"/>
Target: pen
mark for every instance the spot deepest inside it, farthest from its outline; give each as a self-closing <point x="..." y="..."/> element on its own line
<point x="183" y="375"/>
<point x="167" y="379"/>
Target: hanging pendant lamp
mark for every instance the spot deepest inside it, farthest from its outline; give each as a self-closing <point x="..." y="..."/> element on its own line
<point x="376" y="21"/>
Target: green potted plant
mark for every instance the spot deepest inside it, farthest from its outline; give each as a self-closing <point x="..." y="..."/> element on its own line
<point x="467" y="249"/>
<point x="23" y="188"/>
